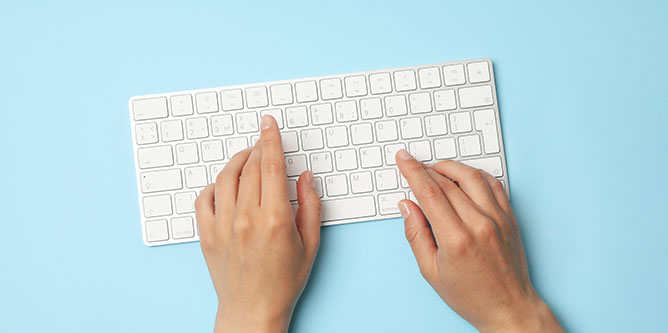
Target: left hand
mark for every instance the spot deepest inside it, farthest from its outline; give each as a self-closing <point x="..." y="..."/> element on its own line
<point x="259" y="255"/>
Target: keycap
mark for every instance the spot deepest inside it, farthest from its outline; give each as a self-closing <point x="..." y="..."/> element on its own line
<point x="312" y="139"/>
<point x="247" y="122"/>
<point x="235" y="145"/>
<point x="361" y="133"/>
<point x="215" y="169"/>
<point x="343" y="209"/>
<point x="421" y="150"/>
<point x="371" y="108"/>
<point x="395" y="106"/>
<point x="391" y="151"/>
<point x="429" y="77"/>
<point x="337" y="136"/>
<point x="355" y="85"/>
<point x="491" y="165"/>
<point x="386" y="131"/>
<point x="321" y="162"/>
<point x="411" y="128"/>
<point x="405" y="80"/>
<point x="469" y="145"/>
<point x="212" y="150"/>
<point x="156" y="231"/>
<point x="444" y="100"/>
<point x="231" y="99"/>
<point x="182" y="105"/>
<point x="387" y="203"/>
<point x="281" y="94"/>
<point x="182" y="227"/>
<point x="346" y="159"/>
<point x="336" y="185"/>
<point x="475" y="96"/>
<point x="346" y="111"/>
<point x="171" y="130"/>
<point x="277" y="114"/>
<point x="306" y="91"/>
<point x="360" y="182"/>
<point x="435" y="125"/>
<point x="371" y="157"/>
<point x="453" y="75"/>
<point x="196" y="176"/>
<point x="154" y="157"/>
<point x="207" y="102"/>
<point x="185" y="202"/>
<point x="295" y="165"/>
<point x="146" y="133"/>
<point x="256" y="97"/>
<point x="322" y="114"/>
<point x="420" y="102"/>
<point x="485" y="122"/>
<point x="380" y="83"/>
<point x="445" y="148"/>
<point x="386" y="179"/>
<point x="187" y="153"/>
<point x="460" y="122"/>
<point x="331" y="89"/>
<point x="222" y="125"/>
<point x="150" y="108"/>
<point x="197" y="128"/>
<point x="292" y="190"/>
<point x="162" y="180"/>
<point x="157" y="205"/>
<point x="289" y="142"/>
<point x="478" y="72"/>
<point x="296" y="116"/>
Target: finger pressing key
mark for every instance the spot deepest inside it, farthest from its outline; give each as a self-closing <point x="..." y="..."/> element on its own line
<point x="249" y="183"/>
<point x="274" y="178"/>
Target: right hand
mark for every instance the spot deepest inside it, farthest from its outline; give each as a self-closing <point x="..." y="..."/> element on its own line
<point x="472" y="255"/>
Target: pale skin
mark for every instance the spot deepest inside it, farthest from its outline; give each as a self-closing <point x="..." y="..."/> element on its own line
<point x="260" y="254"/>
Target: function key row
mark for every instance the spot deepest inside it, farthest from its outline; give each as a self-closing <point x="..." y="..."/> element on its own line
<point x="307" y="91"/>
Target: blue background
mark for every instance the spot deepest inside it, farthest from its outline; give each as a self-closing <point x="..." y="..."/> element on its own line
<point x="584" y="108"/>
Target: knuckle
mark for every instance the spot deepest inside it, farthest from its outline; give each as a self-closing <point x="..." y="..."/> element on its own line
<point x="485" y="229"/>
<point x="413" y="166"/>
<point x="475" y="176"/>
<point x="460" y="243"/>
<point x="495" y="184"/>
<point x="430" y="190"/>
<point x="273" y="167"/>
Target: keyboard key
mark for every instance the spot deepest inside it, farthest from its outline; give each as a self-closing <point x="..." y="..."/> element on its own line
<point x="295" y="165"/>
<point x="420" y="102"/>
<point x="196" y="176"/>
<point x="445" y="100"/>
<point x="386" y="179"/>
<point x="182" y="105"/>
<point x="292" y="190"/>
<point x="469" y="145"/>
<point x="185" y="202"/>
<point x="336" y="185"/>
<point x="346" y="111"/>
<point x="391" y="151"/>
<point x="346" y="159"/>
<point x="421" y="150"/>
<point x="162" y="180"/>
<point x="405" y="80"/>
<point x="171" y="130"/>
<point x="429" y="77"/>
<point x="475" y="96"/>
<point x="289" y="142"/>
<point x="154" y="157"/>
<point x="478" y="72"/>
<point x="318" y="186"/>
<point x="485" y="122"/>
<point x="182" y="227"/>
<point x="331" y="89"/>
<point x="306" y="91"/>
<point x="411" y="128"/>
<point x="361" y="133"/>
<point x="156" y="231"/>
<point x="197" y="128"/>
<point x="231" y="100"/>
<point x="337" y="136"/>
<point x="212" y="150"/>
<point x="206" y="102"/>
<point x="355" y="85"/>
<point x="380" y="83"/>
<point x="296" y="116"/>
<point x="395" y="106"/>
<point x="386" y="131"/>
<point x="371" y="157"/>
<point x="277" y="114"/>
<point x="235" y="145"/>
<point x="222" y="125"/>
<point x="321" y="114"/>
<point x="453" y="75"/>
<point x="146" y="133"/>
<point x="460" y="122"/>
<point x="215" y="170"/>
<point x="159" y="205"/>
<point x="491" y="165"/>
<point x="312" y="139"/>
<point x="186" y="153"/>
<point x="247" y="122"/>
<point x="348" y="208"/>
<point x="435" y="125"/>
<point x="281" y="94"/>
<point x="321" y="162"/>
<point x="150" y="108"/>
<point x="256" y="97"/>
<point x="388" y="202"/>
<point x="371" y="108"/>
<point x="445" y="148"/>
<point x="360" y="182"/>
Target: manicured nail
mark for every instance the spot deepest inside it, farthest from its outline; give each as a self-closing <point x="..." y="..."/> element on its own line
<point x="266" y="122"/>
<point x="404" y="155"/>
<point x="403" y="208"/>
<point x="309" y="179"/>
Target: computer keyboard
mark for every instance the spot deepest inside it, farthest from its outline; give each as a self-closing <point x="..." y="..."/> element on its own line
<point x="345" y="128"/>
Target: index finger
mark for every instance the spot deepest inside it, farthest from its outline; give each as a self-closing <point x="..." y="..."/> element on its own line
<point x="431" y="198"/>
<point x="274" y="178"/>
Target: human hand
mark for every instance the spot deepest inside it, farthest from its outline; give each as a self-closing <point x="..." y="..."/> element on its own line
<point x="259" y="255"/>
<point x="473" y="255"/>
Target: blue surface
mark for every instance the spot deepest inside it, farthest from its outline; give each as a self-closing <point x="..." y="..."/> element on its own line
<point x="584" y="108"/>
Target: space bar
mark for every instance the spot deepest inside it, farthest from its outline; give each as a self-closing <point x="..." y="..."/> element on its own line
<point x="348" y="208"/>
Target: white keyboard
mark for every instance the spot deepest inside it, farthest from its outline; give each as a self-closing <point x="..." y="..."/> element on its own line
<point x="345" y="128"/>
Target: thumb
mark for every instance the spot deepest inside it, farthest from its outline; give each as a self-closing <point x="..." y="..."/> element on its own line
<point x="308" y="214"/>
<point x="419" y="236"/>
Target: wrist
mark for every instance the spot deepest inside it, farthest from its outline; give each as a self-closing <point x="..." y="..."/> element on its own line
<point x="233" y="320"/>
<point x="533" y="316"/>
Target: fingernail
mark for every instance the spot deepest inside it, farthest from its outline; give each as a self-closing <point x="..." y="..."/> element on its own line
<point x="309" y="179"/>
<point x="266" y="122"/>
<point x="403" y="208"/>
<point x="404" y="155"/>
